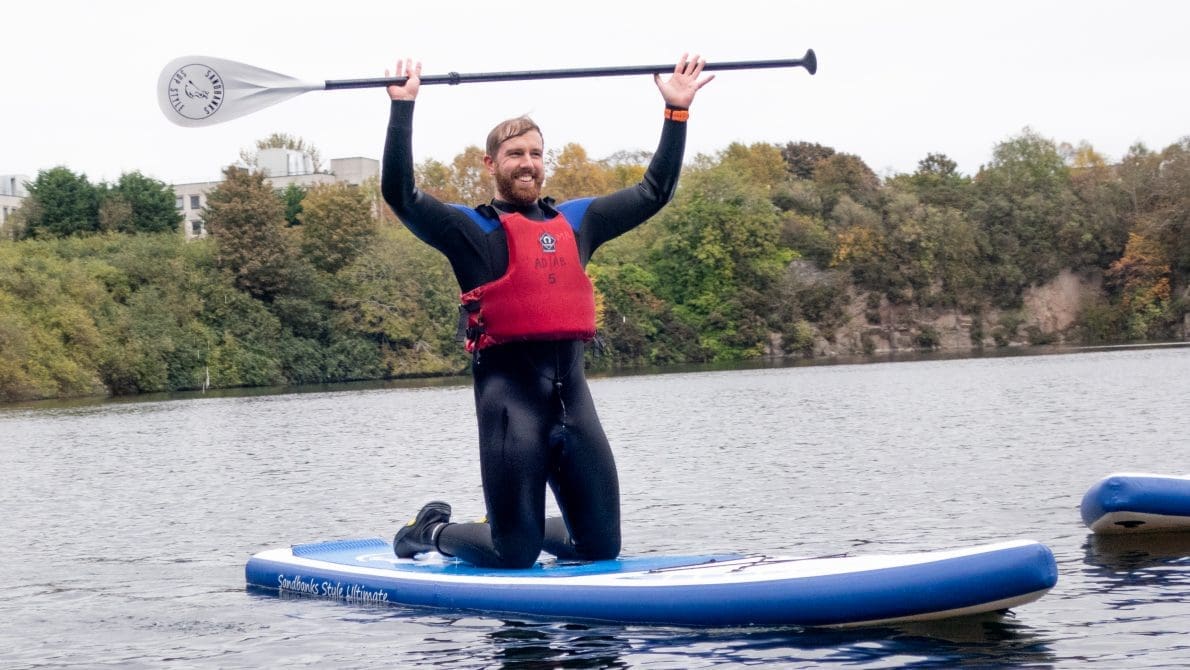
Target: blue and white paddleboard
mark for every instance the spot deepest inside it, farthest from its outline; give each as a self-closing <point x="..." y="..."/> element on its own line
<point x="1128" y="502"/>
<point x="729" y="590"/>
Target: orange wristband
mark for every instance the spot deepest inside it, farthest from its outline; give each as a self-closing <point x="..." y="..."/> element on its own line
<point x="679" y="115"/>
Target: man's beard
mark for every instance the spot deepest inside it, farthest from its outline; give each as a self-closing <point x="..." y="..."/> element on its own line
<point x="517" y="192"/>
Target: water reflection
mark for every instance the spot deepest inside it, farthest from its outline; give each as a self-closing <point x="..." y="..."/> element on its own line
<point x="457" y="640"/>
<point x="522" y="646"/>
<point x="991" y="638"/>
<point x="1140" y="551"/>
<point x="1142" y="573"/>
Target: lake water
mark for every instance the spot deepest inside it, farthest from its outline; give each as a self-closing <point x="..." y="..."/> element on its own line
<point x="127" y="523"/>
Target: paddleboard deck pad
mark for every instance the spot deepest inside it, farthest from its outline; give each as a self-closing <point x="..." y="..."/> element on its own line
<point x="1127" y="502"/>
<point x="701" y="590"/>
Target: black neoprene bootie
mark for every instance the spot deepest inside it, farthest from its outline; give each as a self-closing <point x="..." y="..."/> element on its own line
<point x="421" y="534"/>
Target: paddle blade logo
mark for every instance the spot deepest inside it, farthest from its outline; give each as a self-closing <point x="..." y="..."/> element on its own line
<point x="195" y="91"/>
<point x="203" y="90"/>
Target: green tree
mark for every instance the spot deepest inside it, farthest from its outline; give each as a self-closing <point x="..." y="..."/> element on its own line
<point x="1170" y="223"/>
<point x="808" y="236"/>
<point x="841" y="175"/>
<point x="937" y="182"/>
<point x="932" y="252"/>
<point x="293" y="195"/>
<point x="1138" y="171"/>
<point x="64" y="203"/>
<point x="638" y="327"/>
<point x="48" y="334"/>
<point x="138" y="204"/>
<point x="760" y="163"/>
<point x="1024" y="200"/>
<point x="337" y="225"/>
<point x="719" y="259"/>
<point x="401" y="295"/>
<point x="1099" y="233"/>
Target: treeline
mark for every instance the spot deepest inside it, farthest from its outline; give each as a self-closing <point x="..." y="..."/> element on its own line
<point x="763" y="251"/>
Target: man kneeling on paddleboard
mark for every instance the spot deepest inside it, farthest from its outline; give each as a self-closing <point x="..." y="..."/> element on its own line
<point x="528" y="308"/>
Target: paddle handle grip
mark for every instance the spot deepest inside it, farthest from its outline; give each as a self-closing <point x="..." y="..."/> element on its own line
<point x="808" y="61"/>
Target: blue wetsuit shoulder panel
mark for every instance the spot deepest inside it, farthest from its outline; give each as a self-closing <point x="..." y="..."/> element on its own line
<point x="575" y="210"/>
<point x="485" y="224"/>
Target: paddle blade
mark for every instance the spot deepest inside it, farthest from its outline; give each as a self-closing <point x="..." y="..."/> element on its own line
<point x="202" y="91"/>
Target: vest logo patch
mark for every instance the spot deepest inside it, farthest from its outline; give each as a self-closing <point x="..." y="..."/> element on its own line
<point x="548" y="243"/>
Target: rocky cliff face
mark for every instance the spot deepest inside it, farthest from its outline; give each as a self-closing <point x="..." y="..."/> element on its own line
<point x="1048" y="314"/>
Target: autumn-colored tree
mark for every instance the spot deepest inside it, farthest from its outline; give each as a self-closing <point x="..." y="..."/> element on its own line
<point x="627" y="167"/>
<point x="860" y="245"/>
<point x="471" y="178"/>
<point x="247" y="220"/>
<point x="115" y="213"/>
<point x="1141" y="279"/>
<point x="465" y="181"/>
<point x="803" y="157"/>
<point x="437" y="179"/>
<point x="572" y="174"/>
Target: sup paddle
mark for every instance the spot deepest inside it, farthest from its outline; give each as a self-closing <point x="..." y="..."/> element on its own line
<point x="201" y="90"/>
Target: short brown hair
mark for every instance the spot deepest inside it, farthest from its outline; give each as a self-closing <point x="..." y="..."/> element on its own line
<point x="506" y="130"/>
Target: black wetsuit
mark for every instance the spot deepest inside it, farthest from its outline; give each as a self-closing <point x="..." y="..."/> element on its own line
<point x="537" y="421"/>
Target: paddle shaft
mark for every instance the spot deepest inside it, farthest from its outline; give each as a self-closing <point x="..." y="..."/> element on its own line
<point x="808" y="61"/>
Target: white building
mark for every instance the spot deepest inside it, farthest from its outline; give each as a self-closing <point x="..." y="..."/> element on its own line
<point x="281" y="167"/>
<point x="12" y="194"/>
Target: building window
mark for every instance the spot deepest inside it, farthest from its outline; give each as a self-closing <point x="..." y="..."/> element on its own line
<point x="196" y="228"/>
<point x="180" y="202"/>
<point x="194" y="202"/>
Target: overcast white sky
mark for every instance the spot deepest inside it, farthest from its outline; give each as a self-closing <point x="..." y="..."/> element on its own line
<point x="897" y="79"/>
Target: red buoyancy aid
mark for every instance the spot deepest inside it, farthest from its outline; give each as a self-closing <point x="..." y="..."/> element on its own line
<point x="544" y="295"/>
